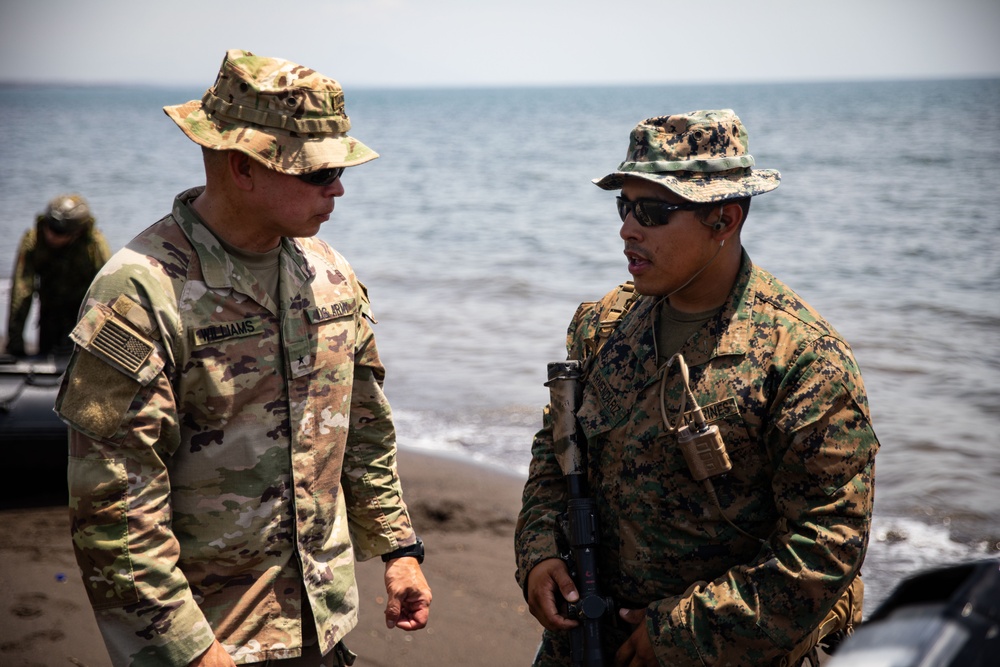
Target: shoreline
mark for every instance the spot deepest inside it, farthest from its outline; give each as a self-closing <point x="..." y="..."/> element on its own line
<point x="463" y="510"/>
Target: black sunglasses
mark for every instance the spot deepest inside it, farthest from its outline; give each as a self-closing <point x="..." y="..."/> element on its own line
<point x="653" y="212"/>
<point x="322" y="177"/>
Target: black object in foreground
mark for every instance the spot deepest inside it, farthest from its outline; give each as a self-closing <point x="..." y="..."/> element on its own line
<point x="33" y="439"/>
<point x="946" y="617"/>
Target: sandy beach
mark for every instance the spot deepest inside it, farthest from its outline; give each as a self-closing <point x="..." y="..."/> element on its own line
<point x="464" y="512"/>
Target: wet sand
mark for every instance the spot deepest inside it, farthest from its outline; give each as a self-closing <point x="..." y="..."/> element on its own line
<point x="465" y="514"/>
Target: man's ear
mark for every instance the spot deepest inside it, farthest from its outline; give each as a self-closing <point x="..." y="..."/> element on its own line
<point x="240" y="169"/>
<point x="728" y="223"/>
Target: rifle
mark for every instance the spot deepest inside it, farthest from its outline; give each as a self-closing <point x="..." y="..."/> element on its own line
<point x="581" y="516"/>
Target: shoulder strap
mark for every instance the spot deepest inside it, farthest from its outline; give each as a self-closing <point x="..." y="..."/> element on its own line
<point x="620" y="303"/>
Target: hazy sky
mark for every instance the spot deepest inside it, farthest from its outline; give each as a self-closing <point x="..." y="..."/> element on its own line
<point x="491" y="42"/>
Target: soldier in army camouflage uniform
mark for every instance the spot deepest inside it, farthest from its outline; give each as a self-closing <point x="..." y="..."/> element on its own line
<point x="750" y="567"/>
<point x="57" y="259"/>
<point x="232" y="452"/>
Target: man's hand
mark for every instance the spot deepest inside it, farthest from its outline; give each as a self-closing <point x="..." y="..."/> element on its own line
<point x="409" y="603"/>
<point x="544" y="580"/>
<point x="215" y="656"/>
<point x="637" y="651"/>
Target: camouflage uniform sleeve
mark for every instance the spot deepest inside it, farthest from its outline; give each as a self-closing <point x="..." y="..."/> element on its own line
<point x="377" y="516"/>
<point x="822" y="447"/>
<point x="22" y="289"/>
<point x="537" y="535"/>
<point x="124" y="428"/>
<point x="99" y="251"/>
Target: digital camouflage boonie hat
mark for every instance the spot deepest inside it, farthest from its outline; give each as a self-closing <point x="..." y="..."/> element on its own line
<point x="285" y="115"/>
<point x="701" y="156"/>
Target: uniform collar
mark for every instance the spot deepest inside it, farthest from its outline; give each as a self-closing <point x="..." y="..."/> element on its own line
<point x="627" y="363"/>
<point x="729" y="332"/>
<point x="726" y="334"/>
<point x="217" y="266"/>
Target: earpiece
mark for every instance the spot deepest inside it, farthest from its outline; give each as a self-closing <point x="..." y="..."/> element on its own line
<point x="716" y="226"/>
<point x="719" y="224"/>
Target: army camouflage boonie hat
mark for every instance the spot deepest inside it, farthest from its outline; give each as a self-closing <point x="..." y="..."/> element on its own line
<point x="285" y="115"/>
<point x="701" y="156"/>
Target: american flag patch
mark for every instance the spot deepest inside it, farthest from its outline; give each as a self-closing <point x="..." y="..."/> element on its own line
<point x="121" y="345"/>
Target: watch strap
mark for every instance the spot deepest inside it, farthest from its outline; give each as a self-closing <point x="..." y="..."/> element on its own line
<point x="415" y="550"/>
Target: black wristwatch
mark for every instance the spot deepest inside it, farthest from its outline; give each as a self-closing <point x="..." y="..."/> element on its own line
<point x="412" y="551"/>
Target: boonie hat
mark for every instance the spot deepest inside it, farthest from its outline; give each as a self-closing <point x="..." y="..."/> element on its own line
<point x="701" y="156"/>
<point x="67" y="214"/>
<point x="285" y="115"/>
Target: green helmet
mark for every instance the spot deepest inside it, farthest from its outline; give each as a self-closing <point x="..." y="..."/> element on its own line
<point x="68" y="214"/>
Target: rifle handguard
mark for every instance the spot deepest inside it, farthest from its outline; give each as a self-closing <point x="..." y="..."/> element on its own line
<point x="563" y="387"/>
<point x="581" y="516"/>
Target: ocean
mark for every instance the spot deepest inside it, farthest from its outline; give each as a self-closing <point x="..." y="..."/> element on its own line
<point x="478" y="232"/>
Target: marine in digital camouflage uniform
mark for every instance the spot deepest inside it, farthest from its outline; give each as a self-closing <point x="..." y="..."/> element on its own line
<point x="231" y="450"/>
<point x="56" y="259"/>
<point x="752" y="579"/>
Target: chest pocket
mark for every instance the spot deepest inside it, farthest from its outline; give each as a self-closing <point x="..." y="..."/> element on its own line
<point x="603" y="405"/>
<point x="751" y="469"/>
<point x="726" y="415"/>
<point x="232" y="352"/>
<point x="322" y="338"/>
